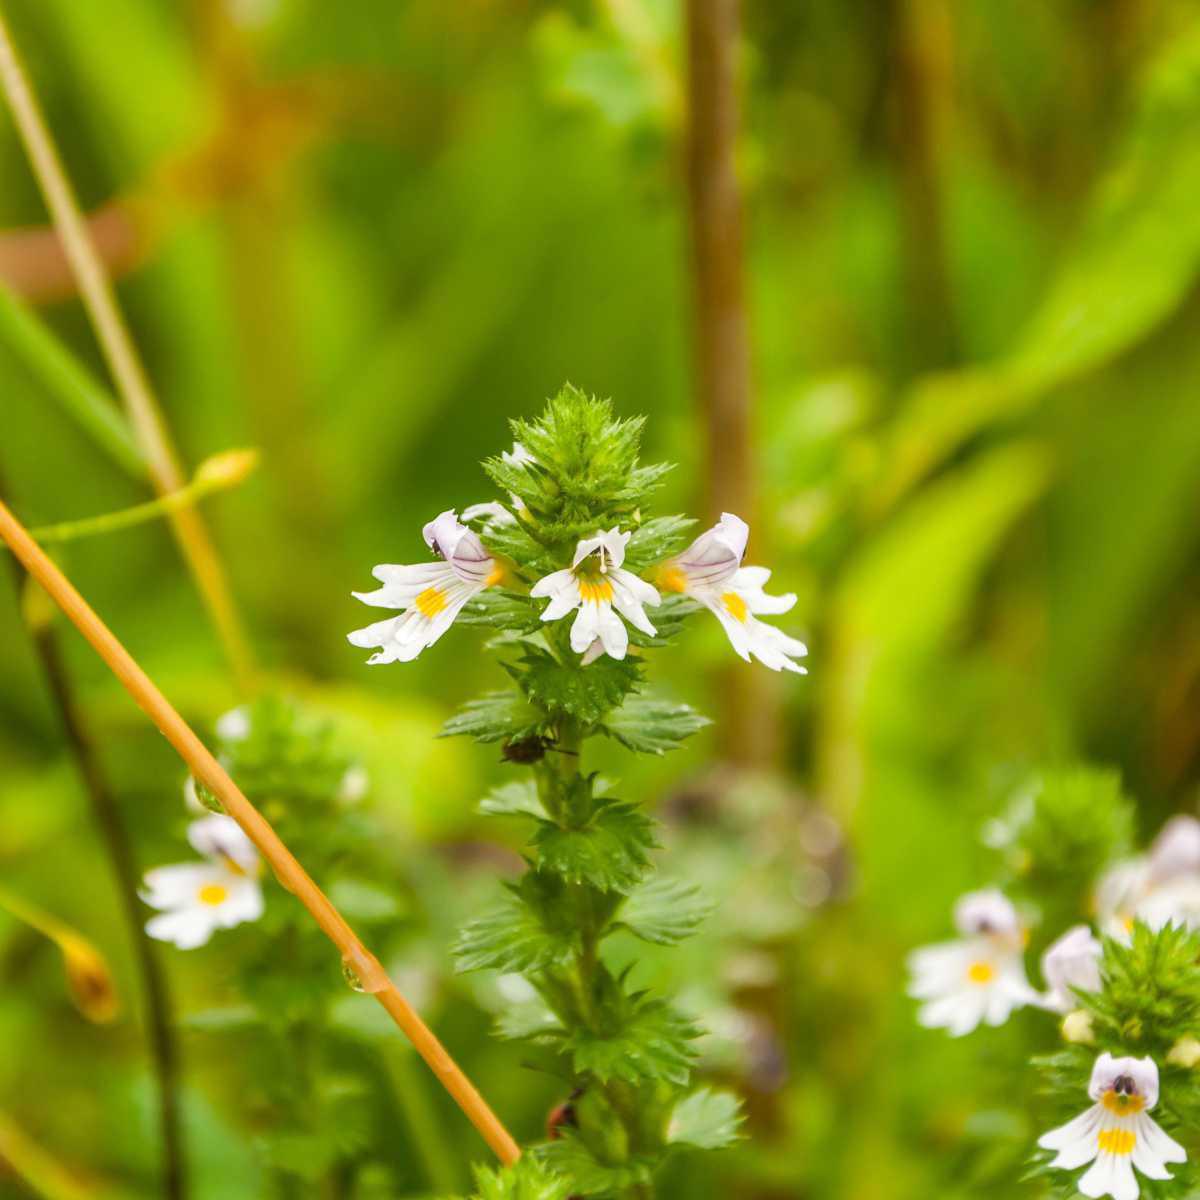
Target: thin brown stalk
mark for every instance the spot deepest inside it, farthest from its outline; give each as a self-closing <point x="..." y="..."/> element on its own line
<point x="204" y="766"/>
<point x="722" y="323"/>
<point x="142" y="408"/>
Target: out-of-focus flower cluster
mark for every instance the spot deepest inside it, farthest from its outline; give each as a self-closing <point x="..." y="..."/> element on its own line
<point x="1125" y="983"/>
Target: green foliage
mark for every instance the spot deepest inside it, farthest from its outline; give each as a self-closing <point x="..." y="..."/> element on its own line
<point x="496" y="717"/>
<point x="562" y="689"/>
<point x="650" y="725"/>
<point x="706" y="1119"/>
<point x="665" y="911"/>
<point x="611" y="852"/>
<point x="585" y="474"/>
<point x="528" y="1179"/>
<point x="1061" y="832"/>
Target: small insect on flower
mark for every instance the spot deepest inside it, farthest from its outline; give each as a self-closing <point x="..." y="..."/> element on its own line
<point x="1071" y="962"/>
<point x="196" y="899"/>
<point x="429" y="595"/>
<point x="1117" y="1133"/>
<point x="596" y="584"/>
<point x="978" y="978"/>
<point x="710" y="570"/>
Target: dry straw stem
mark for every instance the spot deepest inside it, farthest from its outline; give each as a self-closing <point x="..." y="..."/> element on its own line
<point x="143" y="411"/>
<point x="288" y="871"/>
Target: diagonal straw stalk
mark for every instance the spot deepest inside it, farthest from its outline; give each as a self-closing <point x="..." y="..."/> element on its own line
<point x="356" y="957"/>
<point x="142" y="408"/>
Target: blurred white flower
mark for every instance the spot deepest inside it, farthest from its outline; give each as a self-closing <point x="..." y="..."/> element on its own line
<point x="429" y="595"/>
<point x="234" y="726"/>
<point x="710" y="571"/>
<point x="598" y="587"/>
<point x="1116" y="1134"/>
<point x="979" y="978"/>
<point x="195" y="899"/>
<point x="1158" y="888"/>
<point x="1071" y="962"/>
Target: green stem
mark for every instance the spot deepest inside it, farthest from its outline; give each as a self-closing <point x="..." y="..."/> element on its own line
<point x="207" y="480"/>
<point x="441" y="1166"/>
<point x="68" y="382"/>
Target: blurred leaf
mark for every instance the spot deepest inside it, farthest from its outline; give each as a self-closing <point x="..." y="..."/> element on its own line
<point x="706" y="1119"/>
<point x="1134" y="259"/>
<point x="665" y="911"/>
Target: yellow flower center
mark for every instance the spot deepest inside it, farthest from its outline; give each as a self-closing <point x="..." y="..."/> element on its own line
<point x="1116" y="1141"/>
<point x="495" y="577"/>
<point x="593" y="591"/>
<point x="981" y="972"/>
<point x="1121" y="1103"/>
<point x="735" y="606"/>
<point x="672" y="579"/>
<point x="431" y="602"/>
<point x="212" y="893"/>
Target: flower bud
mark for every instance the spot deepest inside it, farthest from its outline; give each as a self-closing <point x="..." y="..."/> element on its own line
<point x="1077" y="1028"/>
<point x="1185" y="1052"/>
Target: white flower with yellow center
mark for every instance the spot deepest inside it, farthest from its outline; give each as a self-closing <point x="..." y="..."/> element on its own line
<point x="710" y="570"/>
<point x="428" y="595"/>
<point x="598" y="587"/>
<point x="978" y="978"/>
<point x="195" y="899"/>
<point x="1071" y="962"/>
<point x="1117" y="1133"/>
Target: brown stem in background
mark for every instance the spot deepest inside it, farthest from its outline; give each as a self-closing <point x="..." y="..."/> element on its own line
<point x="722" y="326"/>
<point x="107" y="816"/>
<point x="143" y="410"/>
<point x="919" y="69"/>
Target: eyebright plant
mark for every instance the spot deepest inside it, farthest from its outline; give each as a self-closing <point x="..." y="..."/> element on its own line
<point x="312" y="1111"/>
<point x="576" y="583"/>
<point x="1128" y="999"/>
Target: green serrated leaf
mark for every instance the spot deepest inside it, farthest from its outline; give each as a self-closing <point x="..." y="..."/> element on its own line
<point x="611" y="852"/>
<point x="531" y="1021"/>
<point x="495" y="717"/>
<point x="512" y="800"/>
<point x="510" y="938"/>
<point x="572" y="1159"/>
<point x="651" y="1042"/>
<point x="665" y="911"/>
<point x="651" y="725"/>
<point x="668" y="619"/>
<point x="586" y="693"/>
<point x="656" y="540"/>
<point x="511" y="612"/>
<point x="706" y="1119"/>
<point x="530" y="1178"/>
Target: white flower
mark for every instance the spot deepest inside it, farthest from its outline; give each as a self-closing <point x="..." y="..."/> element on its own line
<point x="710" y="571"/>
<point x="979" y="978"/>
<point x="195" y="899"/>
<point x="1117" y="1131"/>
<point x="428" y="595"/>
<point x="1071" y="962"/>
<point x="596" y="584"/>
<point x="493" y="512"/>
<point x="1176" y="850"/>
<point x="990" y="913"/>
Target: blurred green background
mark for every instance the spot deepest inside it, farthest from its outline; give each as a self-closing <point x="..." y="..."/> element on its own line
<point x="358" y="236"/>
